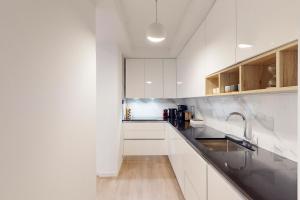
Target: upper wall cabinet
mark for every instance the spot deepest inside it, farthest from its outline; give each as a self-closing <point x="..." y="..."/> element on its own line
<point x="221" y="35"/>
<point x="150" y="78"/>
<point x="191" y="66"/>
<point x="135" y="80"/>
<point x="153" y="78"/>
<point x="169" y="78"/>
<point x="265" y="25"/>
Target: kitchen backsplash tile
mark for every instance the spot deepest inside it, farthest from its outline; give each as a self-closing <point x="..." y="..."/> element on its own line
<point x="149" y="108"/>
<point x="272" y="118"/>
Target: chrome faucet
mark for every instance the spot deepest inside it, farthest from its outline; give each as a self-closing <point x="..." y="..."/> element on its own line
<point x="245" y="123"/>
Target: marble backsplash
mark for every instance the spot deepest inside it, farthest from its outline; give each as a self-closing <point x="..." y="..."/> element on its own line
<point x="149" y="108"/>
<point x="272" y="118"/>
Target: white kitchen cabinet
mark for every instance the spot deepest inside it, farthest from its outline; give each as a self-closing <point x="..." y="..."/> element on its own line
<point x="144" y="130"/>
<point x="189" y="167"/>
<point x="145" y="147"/>
<point x="189" y="190"/>
<point x="195" y="168"/>
<point x="221" y="35"/>
<point x="176" y="146"/>
<point x="151" y="78"/>
<point x="265" y="25"/>
<point x="197" y="179"/>
<point x="135" y="78"/>
<point x="171" y="136"/>
<point x="191" y="67"/>
<point x="144" y="138"/>
<point x="220" y="188"/>
<point x="178" y="160"/>
<point x="169" y="72"/>
<point x="154" y="78"/>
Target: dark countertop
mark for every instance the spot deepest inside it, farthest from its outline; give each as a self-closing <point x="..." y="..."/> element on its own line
<point x="258" y="174"/>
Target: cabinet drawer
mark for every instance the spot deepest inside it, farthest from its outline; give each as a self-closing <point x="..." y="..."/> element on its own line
<point x="144" y="130"/>
<point x="143" y="126"/>
<point x="145" y="147"/>
<point x="144" y="134"/>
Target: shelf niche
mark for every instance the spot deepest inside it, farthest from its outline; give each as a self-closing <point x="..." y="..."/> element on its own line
<point x="255" y="73"/>
<point x="230" y="77"/>
<point x="272" y="71"/>
<point x="211" y="83"/>
<point x="288" y="66"/>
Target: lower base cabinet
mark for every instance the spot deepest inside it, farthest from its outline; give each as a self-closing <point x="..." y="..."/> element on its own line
<point x="220" y="188"/>
<point x="197" y="179"/>
<point x="189" y="190"/>
<point x="188" y="166"/>
<point x="144" y="138"/>
<point x="145" y="147"/>
<point x="196" y="172"/>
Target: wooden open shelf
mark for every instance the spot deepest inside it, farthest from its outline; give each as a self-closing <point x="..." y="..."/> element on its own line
<point x="212" y="82"/>
<point x="288" y="66"/>
<point x="230" y="77"/>
<point x="254" y="75"/>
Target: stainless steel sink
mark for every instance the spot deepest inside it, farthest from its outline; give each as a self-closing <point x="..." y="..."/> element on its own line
<point x="222" y="145"/>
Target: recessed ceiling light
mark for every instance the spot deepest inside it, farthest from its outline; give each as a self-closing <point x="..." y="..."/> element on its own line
<point x="148" y="82"/>
<point x="245" y="46"/>
<point x="156" y="32"/>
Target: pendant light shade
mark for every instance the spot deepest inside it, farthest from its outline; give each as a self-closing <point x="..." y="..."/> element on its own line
<point x="156" y="32"/>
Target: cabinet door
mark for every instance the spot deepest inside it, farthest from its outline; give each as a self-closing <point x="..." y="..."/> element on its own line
<point x="145" y="147"/>
<point x="169" y="78"/>
<point x="191" y="67"/>
<point x="189" y="190"/>
<point x="153" y="78"/>
<point x="221" y="35"/>
<point x="145" y="130"/>
<point x="265" y="25"/>
<point x="170" y="137"/>
<point x="135" y="78"/>
<point x="195" y="168"/>
<point x="219" y="188"/>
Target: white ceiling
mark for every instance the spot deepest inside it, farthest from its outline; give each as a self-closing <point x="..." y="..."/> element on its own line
<point x="181" y="19"/>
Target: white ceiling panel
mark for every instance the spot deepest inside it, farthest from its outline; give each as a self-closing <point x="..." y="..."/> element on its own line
<point x="181" y="18"/>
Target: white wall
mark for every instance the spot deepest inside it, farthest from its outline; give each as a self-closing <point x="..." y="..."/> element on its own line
<point x="109" y="109"/>
<point x="112" y="41"/>
<point x="47" y="84"/>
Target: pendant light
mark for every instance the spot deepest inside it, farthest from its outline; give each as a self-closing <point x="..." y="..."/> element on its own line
<point x="156" y="32"/>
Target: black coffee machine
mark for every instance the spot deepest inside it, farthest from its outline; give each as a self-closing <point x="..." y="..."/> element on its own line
<point x="172" y="114"/>
<point x="180" y="112"/>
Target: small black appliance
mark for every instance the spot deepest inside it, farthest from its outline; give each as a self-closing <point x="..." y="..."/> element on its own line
<point x="180" y="112"/>
<point x="172" y="114"/>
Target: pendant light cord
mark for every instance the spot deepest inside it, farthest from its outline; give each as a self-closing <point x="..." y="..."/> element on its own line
<point x="156" y="11"/>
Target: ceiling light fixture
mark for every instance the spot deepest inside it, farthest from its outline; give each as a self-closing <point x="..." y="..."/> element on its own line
<point x="156" y="32"/>
<point x="245" y="46"/>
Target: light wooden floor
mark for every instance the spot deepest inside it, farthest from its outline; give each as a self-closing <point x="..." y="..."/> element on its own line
<point x="141" y="178"/>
